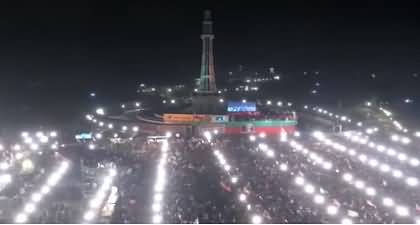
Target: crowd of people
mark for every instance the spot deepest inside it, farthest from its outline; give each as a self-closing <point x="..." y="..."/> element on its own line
<point x="199" y="190"/>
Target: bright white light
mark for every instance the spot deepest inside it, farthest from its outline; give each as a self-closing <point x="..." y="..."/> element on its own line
<point x="135" y="129"/>
<point x="262" y="135"/>
<point x="19" y="155"/>
<point x="207" y="135"/>
<point x="90" y="215"/>
<point x="91" y="146"/>
<point x="4" y="166"/>
<point x="5" y="178"/>
<point x="359" y="184"/>
<point x="281" y="104"/>
<point x="405" y="140"/>
<point x="243" y="100"/>
<point x="95" y="203"/>
<point x="327" y="165"/>
<point x="101" y="124"/>
<point x="388" y="202"/>
<point x="417" y="134"/>
<point x="332" y="210"/>
<point x="319" y="135"/>
<point x="268" y="102"/>
<point x="412" y="181"/>
<point x="112" y="172"/>
<point x="319" y="199"/>
<point x="256" y="219"/>
<point x="100" y="111"/>
<point x="397" y="173"/>
<point x="34" y="146"/>
<point x="384" y="168"/>
<point x="53" y="134"/>
<point x="124" y="128"/>
<point x="36" y="197"/>
<point x="283" y="136"/>
<point x="29" y="208"/>
<point x="168" y="134"/>
<point x="362" y="158"/>
<point x="283" y="167"/>
<point x="234" y="180"/>
<point x="27" y="164"/>
<point x="373" y="163"/>
<point x="263" y="146"/>
<point x="370" y="191"/>
<point x="402" y="157"/>
<point x="252" y="138"/>
<point x="45" y="190"/>
<point x="309" y="189"/>
<point x="156" y="207"/>
<point x="347" y="177"/>
<point x="402" y="211"/>
<point x="21" y="218"/>
<point x="24" y="134"/>
<point x="395" y="137"/>
<point x="380" y="148"/>
<point x="157" y="219"/>
<point x="158" y="197"/>
<point x="414" y="162"/>
<point x="242" y="197"/>
<point x="391" y="152"/>
<point x="346" y="221"/>
<point x="299" y="181"/>
<point x="98" y="135"/>
<point x="17" y="147"/>
<point x="270" y="153"/>
<point x="39" y="134"/>
<point x="173" y="101"/>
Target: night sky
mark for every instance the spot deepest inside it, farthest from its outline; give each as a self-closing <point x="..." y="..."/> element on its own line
<point x="54" y="53"/>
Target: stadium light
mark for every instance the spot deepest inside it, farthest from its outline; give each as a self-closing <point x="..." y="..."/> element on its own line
<point x="332" y="210"/>
<point x="319" y="199"/>
<point x="21" y="218"/>
<point x="100" y="111"/>
<point x="388" y="202"/>
<point x="256" y="219"/>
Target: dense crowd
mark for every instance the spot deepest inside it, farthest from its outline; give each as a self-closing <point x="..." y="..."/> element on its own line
<point x="199" y="190"/>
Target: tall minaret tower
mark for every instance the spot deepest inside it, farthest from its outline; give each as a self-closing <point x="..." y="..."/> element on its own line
<point x="207" y="76"/>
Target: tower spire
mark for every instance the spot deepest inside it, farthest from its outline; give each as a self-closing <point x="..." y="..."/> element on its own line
<point x="207" y="75"/>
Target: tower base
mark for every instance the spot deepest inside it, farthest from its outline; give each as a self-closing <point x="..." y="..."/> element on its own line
<point x="207" y="104"/>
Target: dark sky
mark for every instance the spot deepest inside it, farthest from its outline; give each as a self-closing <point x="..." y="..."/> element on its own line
<point x="61" y="49"/>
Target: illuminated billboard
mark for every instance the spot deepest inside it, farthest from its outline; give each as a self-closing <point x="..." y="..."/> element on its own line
<point x="84" y="136"/>
<point x="185" y="118"/>
<point x="242" y="107"/>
